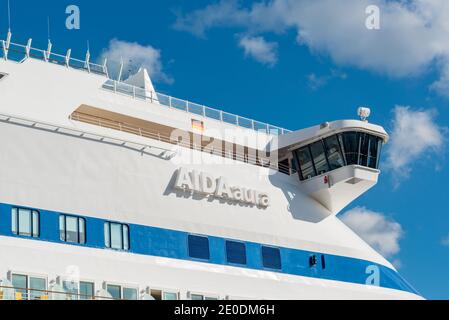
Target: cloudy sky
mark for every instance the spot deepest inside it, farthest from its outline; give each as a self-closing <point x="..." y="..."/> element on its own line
<point x="296" y="63"/>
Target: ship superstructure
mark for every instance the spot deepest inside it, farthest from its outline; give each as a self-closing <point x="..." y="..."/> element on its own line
<point x="110" y="190"/>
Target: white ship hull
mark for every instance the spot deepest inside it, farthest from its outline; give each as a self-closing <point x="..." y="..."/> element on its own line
<point x="47" y="167"/>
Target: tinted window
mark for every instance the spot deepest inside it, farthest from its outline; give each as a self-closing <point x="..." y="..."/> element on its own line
<point x="351" y="147"/>
<point x="199" y="247"/>
<point x="364" y="149"/>
<point x="129" y="294"/>
<point x="319" y="157"/>
<point x="375" y="147"/>
<point x="271" y="258"/>
<point x="306" y="164"/>
<point x="236" y="252"/>
<point x="20" y="283"/>
<point x="86" y="290"/>
<point x="334" y="154"/>
<point x="115" y="291"/>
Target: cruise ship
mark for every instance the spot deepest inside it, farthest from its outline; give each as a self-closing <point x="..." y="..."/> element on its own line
<point x="111" y="190"/>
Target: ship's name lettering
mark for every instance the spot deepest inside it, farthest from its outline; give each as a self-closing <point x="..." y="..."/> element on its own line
<point x="208" y="185"/>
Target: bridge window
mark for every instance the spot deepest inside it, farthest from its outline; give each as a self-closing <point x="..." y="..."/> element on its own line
<point x="116" y="236"/>
<point x="349" y="148"/>
<point x="25" y="222"/>
<point x="271" y="258"/>
<point x="199" y="247"/>
<point x="334" y="154"/>
<point x="306" y="163"/>
<point x="72" y="229"/>
<point x="236" y="252"/>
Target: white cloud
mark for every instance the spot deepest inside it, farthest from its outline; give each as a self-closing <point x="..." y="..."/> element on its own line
<point x="414" y="134"/>
<point x="445" y="241"/>
<point x="259" y="49"/>
<point x="315" y="82"/>
<point x="135" y="56"/>
<point x="382" y="233"/>
<point x="413" y="34"/>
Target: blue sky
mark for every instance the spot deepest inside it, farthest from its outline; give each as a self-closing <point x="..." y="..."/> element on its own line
<point x="248" y="59"/>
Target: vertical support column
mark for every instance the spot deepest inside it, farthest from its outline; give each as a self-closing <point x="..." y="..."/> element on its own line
<point x="67" y="58"/>
<point x="28" y="48"/>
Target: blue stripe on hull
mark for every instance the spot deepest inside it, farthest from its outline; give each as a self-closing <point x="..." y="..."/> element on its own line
<point x="172" y="244"/>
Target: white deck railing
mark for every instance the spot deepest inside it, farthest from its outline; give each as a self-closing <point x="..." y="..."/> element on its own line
<point x="19" y="53"/>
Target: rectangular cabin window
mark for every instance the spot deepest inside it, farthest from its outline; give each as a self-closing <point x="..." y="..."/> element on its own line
<point x="20" y="284"/>
<point x="116" y="236"/>
<point x="114" y="291"/>
<point x="319" y="157"/>
<point x="305" y="162"/>
<point x="71" y="288"/>
<point x="86" y="290"/>
<point x="72" y="229"/>
<point x="25" y="222"/>
<point x="334" y="154"/>
<point x="171" y="296"/>
<point x="129" y="293"/>
<point x="199" y="247"/>
<point x="28" y="287"/>
<point x="271" y="258"/>
<point x="236" y="252"/>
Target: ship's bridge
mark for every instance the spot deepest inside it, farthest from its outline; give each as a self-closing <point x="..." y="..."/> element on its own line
<point x="336" y="162"/>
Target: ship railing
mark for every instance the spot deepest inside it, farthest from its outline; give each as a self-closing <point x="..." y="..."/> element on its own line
<point x="145" y="133"/>
<point x="17" y="293"/>
<point x="192" y="108"/>
<point x="18" y="52"/>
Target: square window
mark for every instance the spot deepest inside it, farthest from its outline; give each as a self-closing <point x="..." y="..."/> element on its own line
<point x="236" y="252"/>
<point x="199" y="247"/>
<point x="271" y="258"/>
<point x="129" y="293"/>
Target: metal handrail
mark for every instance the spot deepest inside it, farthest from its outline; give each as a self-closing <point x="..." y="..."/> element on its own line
<point x="136" y="92"/>
<point x="129" y="128"/>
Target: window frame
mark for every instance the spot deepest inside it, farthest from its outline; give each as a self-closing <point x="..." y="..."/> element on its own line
<point x="83" y="297"/>
<point x="78" y="220"/>
<point x="28" y="290"/>
<point x="122" y="289"/>
<point x="340" y="138"/>
<point x="15" y="222"/>
<point x="127" y="237"/>
<point x="206" y="296"/>
<point x="164" y="291"/>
